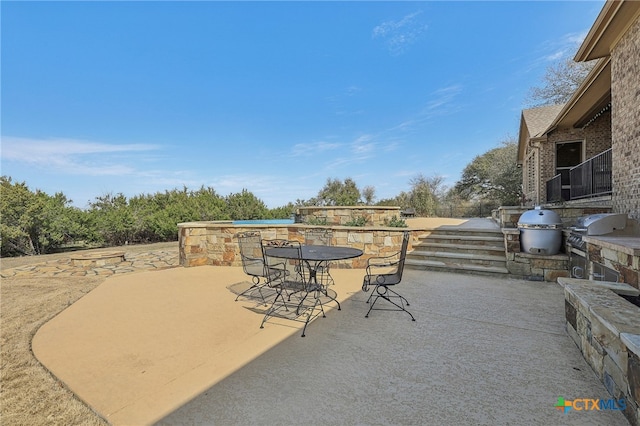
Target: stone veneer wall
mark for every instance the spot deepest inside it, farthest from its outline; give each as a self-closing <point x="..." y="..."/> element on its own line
<point x="614" y="254"/>
<point x="507" y="217"/>
<point x="213" y="243"/>
<point x="535" y="266"/>
<point x="375" y="215"/>
<point x="625" y="99"/>
<point x="605" y="327"/>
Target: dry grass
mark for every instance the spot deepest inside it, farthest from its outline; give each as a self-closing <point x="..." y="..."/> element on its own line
<point x="29" y="394"/>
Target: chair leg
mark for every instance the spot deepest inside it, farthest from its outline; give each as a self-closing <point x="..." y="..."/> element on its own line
<point x="310" y="314"/>
<point x="273" y="307"/>
<point x="383" y="292"/>
<point x="256" y="285"/>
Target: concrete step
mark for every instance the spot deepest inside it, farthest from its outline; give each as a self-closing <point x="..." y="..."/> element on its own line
<point x="496" y="250"/>
<point x="455" y="258"/>
<point x="495" y="240"/>
<point x="466" y="231"/>
<point x="473" y="251"/>
<point x="460" y="268"/>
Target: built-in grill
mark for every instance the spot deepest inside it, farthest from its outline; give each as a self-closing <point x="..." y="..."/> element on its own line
<point x="595" y="224"/>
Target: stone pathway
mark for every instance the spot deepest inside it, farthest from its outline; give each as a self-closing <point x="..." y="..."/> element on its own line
<point x="134" y="262"/>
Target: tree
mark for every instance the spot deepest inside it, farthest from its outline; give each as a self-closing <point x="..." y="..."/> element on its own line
<point x="283" y="212"/>
<point x="246" y="206"/>
<point x="16" y="224"/>
<point x="560" y="82"/>
<point x="425" y="195"/>
<point x="493" y="175"/>
<point x="34" y="222"/>
<point x="113" y="219"/>
<point x="337" y="193"/>
<point x="368" y="195"/>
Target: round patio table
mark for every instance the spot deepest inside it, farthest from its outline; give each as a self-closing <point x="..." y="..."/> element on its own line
<point x="314" y="257"/>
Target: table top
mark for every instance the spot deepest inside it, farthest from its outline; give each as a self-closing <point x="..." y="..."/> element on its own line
<point x="315" y="253"/>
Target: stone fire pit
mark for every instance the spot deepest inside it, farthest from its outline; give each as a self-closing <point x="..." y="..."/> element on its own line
<point x="97" y="259"/>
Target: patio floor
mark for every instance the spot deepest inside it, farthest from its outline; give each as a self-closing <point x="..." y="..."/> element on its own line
<point x="172" y="347"/>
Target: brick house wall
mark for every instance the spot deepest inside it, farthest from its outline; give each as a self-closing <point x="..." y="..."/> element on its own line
<point x="598" y="135"/>
<point x="596" y="138"/>
<point x="625" y="95"/>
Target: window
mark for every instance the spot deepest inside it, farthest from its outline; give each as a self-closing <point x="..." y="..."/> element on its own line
<point x="568" y="155"/>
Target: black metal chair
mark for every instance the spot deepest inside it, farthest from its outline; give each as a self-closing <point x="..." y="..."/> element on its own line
<point x="324" y="237"/>
<point x="383" y="282"/>
<point x="253" y="263"/>
<point x="292" y="280"/>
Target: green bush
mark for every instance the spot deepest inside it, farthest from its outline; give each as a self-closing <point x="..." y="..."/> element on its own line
<point x="357" y="221"/>
<point x="395" y="222"/>
<point x="319" y="221"/>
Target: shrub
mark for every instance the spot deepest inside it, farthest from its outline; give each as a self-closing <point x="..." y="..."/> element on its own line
<point x="357" y="221"/>
<point x="395" y="222"/>
<point x="319" y="221"/>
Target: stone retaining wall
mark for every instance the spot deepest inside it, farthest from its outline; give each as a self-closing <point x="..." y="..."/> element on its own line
<point x="213" y="243"/>
<point x="374" y="215"/>
<point x="605" y="328"/>
<point x="507" y="217"/>
<point x="534" y="266"/>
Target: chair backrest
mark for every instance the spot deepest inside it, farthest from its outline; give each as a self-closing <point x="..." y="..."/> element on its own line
<point x="318" y="236"/>
<point x="251" y="253"/>
<point x="403" y="253"/>
<point x="289" y="256"/>
<point x="396" y="276"/>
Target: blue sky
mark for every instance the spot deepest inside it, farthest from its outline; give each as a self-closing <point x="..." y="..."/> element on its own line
<point x="273" y="97"/>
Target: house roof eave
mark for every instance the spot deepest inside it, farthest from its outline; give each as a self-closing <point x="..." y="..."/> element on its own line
<point x="593" y="94"/>
<point x="523" y="137"/>
<point x="611" y="24"/>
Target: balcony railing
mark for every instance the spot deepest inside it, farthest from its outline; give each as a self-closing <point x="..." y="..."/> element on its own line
<point x="554" y="189"/>
<point x="591" y="178"/>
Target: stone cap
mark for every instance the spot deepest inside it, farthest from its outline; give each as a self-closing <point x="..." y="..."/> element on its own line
<point x="623" y="289"/>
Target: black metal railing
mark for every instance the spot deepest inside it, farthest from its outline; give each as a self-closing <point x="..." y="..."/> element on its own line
<point x="554" y="189"/>
<point x="592" y="178"/>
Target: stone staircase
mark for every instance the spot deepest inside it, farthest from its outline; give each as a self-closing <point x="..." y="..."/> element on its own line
<point x="460" y="250"/>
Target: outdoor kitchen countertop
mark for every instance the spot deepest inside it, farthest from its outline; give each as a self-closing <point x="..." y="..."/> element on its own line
<point x="628" y="244"/>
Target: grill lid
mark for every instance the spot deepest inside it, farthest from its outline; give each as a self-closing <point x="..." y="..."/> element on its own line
<point x="601" y="223"/>
<point x="539" y="219"/>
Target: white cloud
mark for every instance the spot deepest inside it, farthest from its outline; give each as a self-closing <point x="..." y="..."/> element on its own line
<point x="362" y="147"/>
<point x="440" y="102"/>
<point x="562" y="47"/>
<point x="399" y="35"/>
<point x="275" y="191"/>
<point x="71" y="156"/>
<point x="313" y="148"/>
<point x="443" y="96"/>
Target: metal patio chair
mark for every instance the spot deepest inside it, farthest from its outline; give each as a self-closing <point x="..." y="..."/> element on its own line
<point x="383" y="282"/>
<point x="253" y="263"/>
<point x="292" y="280"/>
<point x="324" y="237"/>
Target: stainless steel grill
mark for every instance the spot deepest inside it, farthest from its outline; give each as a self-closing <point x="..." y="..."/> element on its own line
<point x="595" y="224"/>
<point x="540" y="231"/>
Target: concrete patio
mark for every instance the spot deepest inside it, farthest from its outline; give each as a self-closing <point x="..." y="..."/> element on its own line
<point x="172" y="347"/>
